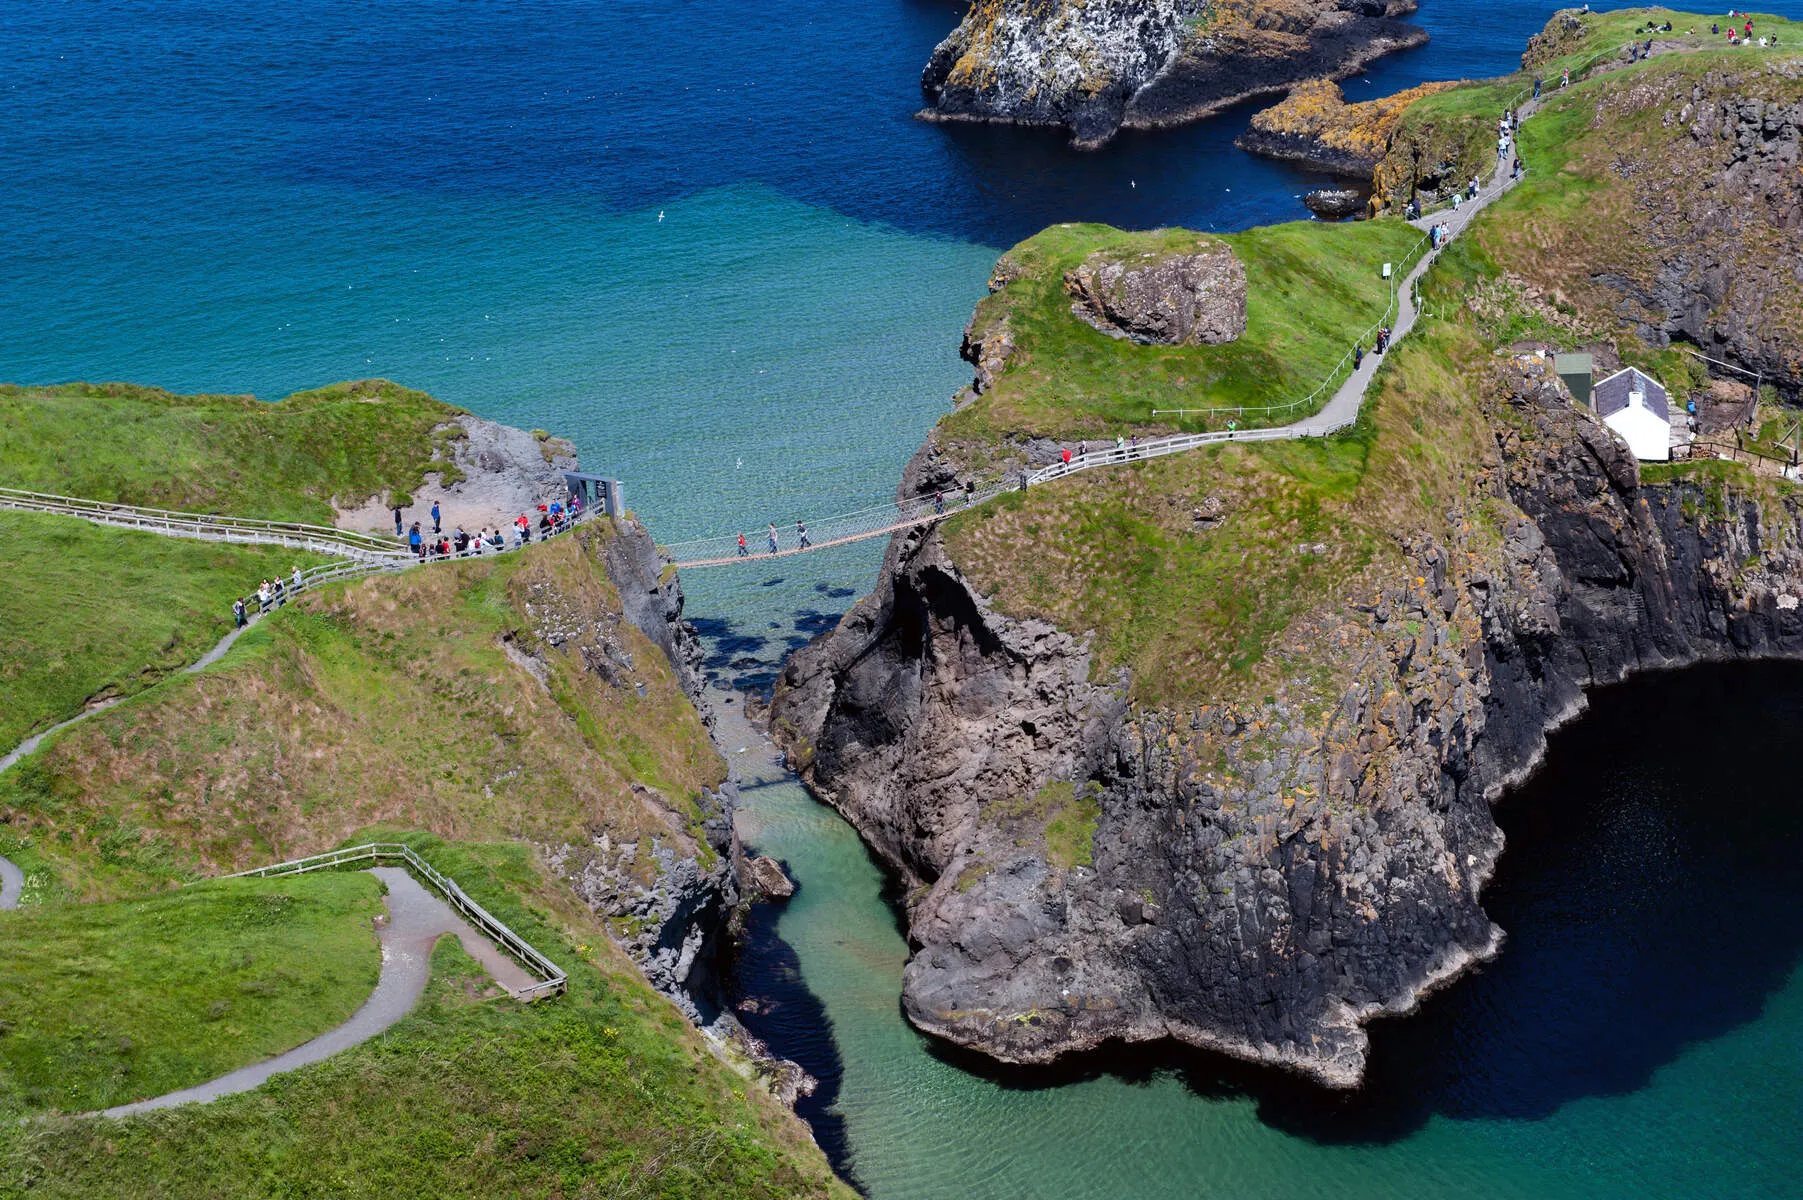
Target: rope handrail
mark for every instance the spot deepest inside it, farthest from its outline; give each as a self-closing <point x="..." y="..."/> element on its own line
<point x="555" y="980"/>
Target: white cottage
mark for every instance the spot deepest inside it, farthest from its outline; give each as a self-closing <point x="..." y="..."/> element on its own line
<point x="1635" y="406"/>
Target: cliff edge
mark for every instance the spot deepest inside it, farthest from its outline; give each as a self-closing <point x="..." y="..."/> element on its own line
<point x="1206" y="748"/>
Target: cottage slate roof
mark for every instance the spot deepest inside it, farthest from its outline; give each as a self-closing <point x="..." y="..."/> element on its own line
<point x="1611" y="395"/>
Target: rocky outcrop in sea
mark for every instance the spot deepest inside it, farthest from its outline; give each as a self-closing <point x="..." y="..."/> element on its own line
<point x="1093" y="66"/>
<point x="1264" y="879"/>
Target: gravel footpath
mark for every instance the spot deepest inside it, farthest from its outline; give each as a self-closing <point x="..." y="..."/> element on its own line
<point x="416" y="918"/>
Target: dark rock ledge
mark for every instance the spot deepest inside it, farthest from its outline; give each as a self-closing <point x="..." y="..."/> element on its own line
<point x="1269" y="909"/>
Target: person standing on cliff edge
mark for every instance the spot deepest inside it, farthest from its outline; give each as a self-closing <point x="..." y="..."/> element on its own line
<point x="397" y="521"/>
<point x="435" y="528"/>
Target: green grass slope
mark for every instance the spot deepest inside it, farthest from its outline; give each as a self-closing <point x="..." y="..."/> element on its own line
<point x="1446" y="137"/>
<point x="103" y="1004"/>
<point x="235" y="455"/>
<point x="413" y="700"/>
<point x="606" y="1092"/>
<point x="499" y="700"/>
<point x="91" y="612"/>
<point x="1312" y="288"/>
<point x="1202" y="573"/>
<point x="1193" y="570"/>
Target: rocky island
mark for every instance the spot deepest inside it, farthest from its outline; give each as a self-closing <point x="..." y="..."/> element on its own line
<point x="1094" y="68"/>
<point x="1206" y="748"/>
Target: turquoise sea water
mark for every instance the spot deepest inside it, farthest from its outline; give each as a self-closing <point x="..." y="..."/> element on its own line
<point x="711" y="244"/>
<point x="1639" y="1036"/>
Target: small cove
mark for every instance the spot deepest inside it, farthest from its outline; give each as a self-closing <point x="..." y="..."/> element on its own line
<point x="1630" y="1040"/>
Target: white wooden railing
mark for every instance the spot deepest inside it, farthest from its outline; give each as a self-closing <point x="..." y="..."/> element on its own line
<point x="555" y="981"/>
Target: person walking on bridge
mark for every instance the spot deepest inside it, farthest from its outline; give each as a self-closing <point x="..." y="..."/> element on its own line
<point x="742" y="550"/>
<point x="773" y="537"/>
<point x="801" y="535"/>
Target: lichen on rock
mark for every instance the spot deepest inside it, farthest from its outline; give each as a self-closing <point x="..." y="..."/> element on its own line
<point x="1093" y="66"/>
<point x="1315" y="125"/>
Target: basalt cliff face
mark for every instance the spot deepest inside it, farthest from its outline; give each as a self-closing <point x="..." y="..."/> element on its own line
<point x="1093" y="67"/>
<point x="670" y="895"/>
<point x="1263" y="879"/>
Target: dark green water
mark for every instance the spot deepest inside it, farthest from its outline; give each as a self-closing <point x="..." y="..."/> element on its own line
<point x="1640" y="1035"/>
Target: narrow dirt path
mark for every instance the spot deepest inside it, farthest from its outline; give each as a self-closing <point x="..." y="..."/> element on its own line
<point x="30" y="744"/>
<point x="416" y="919"/>
<point x="12" y="880"/>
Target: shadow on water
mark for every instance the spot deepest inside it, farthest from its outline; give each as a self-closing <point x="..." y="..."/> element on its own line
<point x="748" y="663"/>
<point x="775" y="1004"/>
<point x="1647" y="891"/>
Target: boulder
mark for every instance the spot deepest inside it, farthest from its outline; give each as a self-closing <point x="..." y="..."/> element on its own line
<point x="1187" y="299"/>
<point x="765" y="876"/>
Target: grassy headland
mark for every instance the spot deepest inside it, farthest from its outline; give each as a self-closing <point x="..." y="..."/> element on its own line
<point x="237" y="455"/>
<point x="108" y="1003"/>
<point x="605" y="1092"/>
<point x="414" y="700"/>
<point x="1201" y="572"/>
<point x="1192" y="569"/>
<point x="1311" y="289"/>
<point x="92" y="612"/>
<point x="1444" y="138"/>
<point x="504" y="704"/>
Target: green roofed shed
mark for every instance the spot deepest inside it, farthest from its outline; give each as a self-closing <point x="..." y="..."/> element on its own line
<point x="1574" y="369"/>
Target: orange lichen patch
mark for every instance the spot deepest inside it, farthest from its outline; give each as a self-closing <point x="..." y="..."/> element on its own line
<point x="1318" y="111"/>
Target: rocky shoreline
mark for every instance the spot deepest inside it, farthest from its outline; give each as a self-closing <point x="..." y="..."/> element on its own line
<point x="1141" y="64"/>
<point x="1262" y="885"/>
<point x="1264" y="873"/>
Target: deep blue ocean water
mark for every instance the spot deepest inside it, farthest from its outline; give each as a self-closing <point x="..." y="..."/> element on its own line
<point x="710" y="242"/>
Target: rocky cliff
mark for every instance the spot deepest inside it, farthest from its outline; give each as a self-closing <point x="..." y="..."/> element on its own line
<point x="1094" y="67"/>
<point x="1206" y="749"/>
<point x="1699" y="202"/>
<point x="669" y="894"/>
<point x="1315" y="125"/>
<point x="1262" y="878"/>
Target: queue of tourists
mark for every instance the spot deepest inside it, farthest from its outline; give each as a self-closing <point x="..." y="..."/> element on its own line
<point x="552" y="518"/>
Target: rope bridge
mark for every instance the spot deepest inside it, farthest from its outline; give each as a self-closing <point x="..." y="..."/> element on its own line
<point x="369" y="553"/>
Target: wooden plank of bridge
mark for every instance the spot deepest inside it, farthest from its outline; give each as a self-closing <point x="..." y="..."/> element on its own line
<point x="838" y="541"/>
